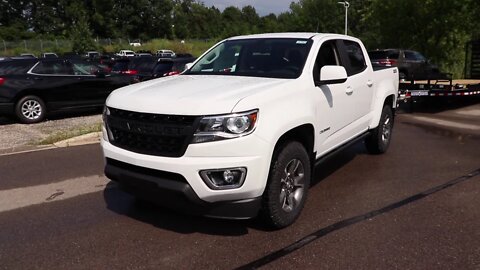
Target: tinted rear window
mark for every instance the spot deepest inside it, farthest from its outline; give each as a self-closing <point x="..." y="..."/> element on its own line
<point x="355" y="55"/>
<point x="163" y="67"/>
<point x="53" y="67"/>
<point x="144" y="64"/>
<point x="120" y="66"/>
<point x="15" y="67"/>
<point x="383" y="55"/>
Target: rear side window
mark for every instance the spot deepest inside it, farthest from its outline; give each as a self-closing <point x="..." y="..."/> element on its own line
<point x="144" y="64"/>
<point x="355" y="56"/>
<point x="415" y="56"/>
<point x="120" y="66"/>
<point x="163" y="67"/>
<point x="15" y="67"/>
<point x="374" y="55"/>
<point x="52" y="67"/>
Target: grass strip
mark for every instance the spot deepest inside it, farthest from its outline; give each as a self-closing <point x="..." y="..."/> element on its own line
<point x="67" y="134"/>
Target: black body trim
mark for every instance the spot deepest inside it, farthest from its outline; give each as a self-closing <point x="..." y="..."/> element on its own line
<point x="172" y="190"/>
<point x="7" y="108"/>
<point x="341" y="148"/>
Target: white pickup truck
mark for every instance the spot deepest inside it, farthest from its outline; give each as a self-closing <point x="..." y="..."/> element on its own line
<point x="239" y="132"/>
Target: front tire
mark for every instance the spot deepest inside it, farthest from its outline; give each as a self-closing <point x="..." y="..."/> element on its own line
<point x="30" y="109"/>
<point x="287" y="186"/>
<point x="379" y="139"/>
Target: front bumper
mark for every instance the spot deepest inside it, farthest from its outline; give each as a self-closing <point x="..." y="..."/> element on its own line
<point x="177" y="181"/>
<point x="172" y="190"/>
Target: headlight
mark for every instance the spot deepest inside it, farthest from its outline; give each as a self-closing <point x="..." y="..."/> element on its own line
<point x="106" y="133"/>
<point x="221" y="127"/>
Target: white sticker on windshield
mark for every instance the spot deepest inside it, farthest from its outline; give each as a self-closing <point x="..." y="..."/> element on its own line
<point x="301" y="42"/>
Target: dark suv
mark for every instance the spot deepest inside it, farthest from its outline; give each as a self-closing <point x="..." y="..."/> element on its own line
<point x="412" y="65"/>
<point x="30" y="88"/>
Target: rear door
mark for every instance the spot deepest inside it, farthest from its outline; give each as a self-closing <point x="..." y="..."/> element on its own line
<point x="359" y="83"/>
<point x="92" y="86"/>
<point x="53" y="79"/>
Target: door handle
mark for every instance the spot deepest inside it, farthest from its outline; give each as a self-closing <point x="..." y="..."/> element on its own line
<point x="369" y="83"/>
<point x="349" y="90"/>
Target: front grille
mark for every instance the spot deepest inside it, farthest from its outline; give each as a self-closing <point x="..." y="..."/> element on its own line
<point x="151" y="134"/>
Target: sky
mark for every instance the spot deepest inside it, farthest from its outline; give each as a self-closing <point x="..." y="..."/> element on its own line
<point x="263" y="7"/>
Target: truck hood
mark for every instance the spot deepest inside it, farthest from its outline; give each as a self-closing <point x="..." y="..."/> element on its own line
<point x="190" y="94"/>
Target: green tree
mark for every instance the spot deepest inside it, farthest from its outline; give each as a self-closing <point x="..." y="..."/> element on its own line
<point x="81" y="35"/>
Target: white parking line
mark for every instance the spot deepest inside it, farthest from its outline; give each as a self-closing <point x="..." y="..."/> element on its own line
<point x="12" y="199"/>
<point x="447" y="123"/>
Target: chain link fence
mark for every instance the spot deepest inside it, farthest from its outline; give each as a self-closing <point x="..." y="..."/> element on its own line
<point x="38" y="46"/>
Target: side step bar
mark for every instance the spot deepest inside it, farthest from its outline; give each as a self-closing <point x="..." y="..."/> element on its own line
<point x="339" y="149"/>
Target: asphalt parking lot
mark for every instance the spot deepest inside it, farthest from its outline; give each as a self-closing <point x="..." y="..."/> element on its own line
<point x="416" y="207"/>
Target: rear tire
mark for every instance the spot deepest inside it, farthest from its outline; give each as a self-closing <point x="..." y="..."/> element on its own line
<point x="30" y="109"/>
<point x="287" y="186"/>
<point x="379" y="139"/>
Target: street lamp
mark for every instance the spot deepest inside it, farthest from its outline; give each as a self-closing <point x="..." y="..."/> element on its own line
<point x="346" y="5"/>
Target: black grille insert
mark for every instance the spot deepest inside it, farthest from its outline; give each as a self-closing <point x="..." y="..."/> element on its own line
<point x="151" y="134"/>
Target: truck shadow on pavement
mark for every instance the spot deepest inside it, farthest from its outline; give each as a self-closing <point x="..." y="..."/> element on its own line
<point x="122" y="203"/>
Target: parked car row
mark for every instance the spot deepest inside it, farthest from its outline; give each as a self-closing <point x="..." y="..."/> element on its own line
<point x="31" y="87"/>
<point x="150" y="67"/>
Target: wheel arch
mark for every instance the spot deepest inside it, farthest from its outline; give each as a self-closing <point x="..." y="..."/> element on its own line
<point x="29" y="92"/>
<point x="303" y="134"/>
<point x="388" y="99"/>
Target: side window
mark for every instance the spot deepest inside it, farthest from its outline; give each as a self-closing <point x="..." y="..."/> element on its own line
<point x="52" y="67"/>
<point x="327" y="56"/>
<point x="419" y="57"/>
<point x="356" y="57"/>
<point x="80" y="68"/>
<point x="15" y="67"/>
<point x="410" y="56"/>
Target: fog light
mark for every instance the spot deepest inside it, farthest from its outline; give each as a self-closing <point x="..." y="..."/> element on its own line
<point x="228" y="178"/>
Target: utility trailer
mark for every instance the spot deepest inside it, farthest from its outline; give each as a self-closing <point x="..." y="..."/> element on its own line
<point x="436" y="91"/>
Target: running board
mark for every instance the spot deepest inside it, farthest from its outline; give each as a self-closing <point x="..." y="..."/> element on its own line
<point x="342" y="147"/>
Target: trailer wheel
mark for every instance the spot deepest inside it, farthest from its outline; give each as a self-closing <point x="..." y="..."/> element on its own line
<point x="287" y="186"/>
<point x="379" y="139"/>
<point x="30" y="109"/>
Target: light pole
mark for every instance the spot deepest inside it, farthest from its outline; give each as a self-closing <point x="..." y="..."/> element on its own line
<point x="346" y="5"/>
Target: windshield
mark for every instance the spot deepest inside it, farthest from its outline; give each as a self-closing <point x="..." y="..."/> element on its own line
<point x="266" y="57"/>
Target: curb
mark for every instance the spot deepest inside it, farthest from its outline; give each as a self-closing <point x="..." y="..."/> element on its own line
<point x="90" y="138"/>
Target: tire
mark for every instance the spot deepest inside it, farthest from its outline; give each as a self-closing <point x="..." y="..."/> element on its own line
<point x="379" y="139"/>
<point x="285" y="196"/>
<point x="30" y="109"/>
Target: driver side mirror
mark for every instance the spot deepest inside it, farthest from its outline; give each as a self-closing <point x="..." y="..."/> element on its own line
<point x="332" y="75"/>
